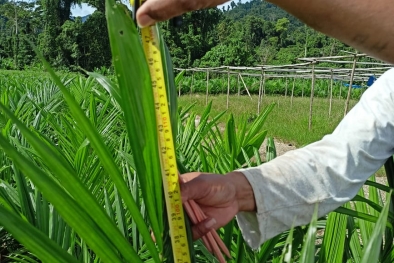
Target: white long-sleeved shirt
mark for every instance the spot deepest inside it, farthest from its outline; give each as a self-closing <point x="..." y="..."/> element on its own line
<point x="328" y="172"/>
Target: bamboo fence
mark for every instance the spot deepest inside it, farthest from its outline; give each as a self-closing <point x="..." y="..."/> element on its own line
<point x="307" y="69"/>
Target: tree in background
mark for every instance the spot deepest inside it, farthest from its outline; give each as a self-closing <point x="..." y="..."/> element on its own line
<point x="67" y="42"/>
<point x="194" y="38"/>
<point x="98" y="4"/>
<point x="17" y="21"/>
<point x="94" y="44"/>
<point x="55" y="14"/>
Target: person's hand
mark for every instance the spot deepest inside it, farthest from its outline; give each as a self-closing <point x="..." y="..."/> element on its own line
<point x="153" y="11"/>
<point x="220" y="197"/>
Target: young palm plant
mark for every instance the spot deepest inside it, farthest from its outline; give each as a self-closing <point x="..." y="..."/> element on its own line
<point x="80" y="176"/>
<point x="89" y="177"/>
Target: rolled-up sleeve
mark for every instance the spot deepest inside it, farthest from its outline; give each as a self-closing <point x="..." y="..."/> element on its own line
<point x="328" y="172"/>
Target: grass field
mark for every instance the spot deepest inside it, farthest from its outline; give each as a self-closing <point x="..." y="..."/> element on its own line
<point x="286" y="123"/>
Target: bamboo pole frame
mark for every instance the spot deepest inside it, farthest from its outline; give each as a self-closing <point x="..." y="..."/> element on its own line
<point x="292" y="93"/>
<point x="207" y="92"/>
<point x="287" y="82"/>
<point x="340" y="74"/>
<point x="298" y="71"/>
<point x="191" y="86"/>
<point x="311" y="98"/>
<point x="228" y="86"/>
<point x="331" y="84"/>
<point x="262" y="79"/>
<point x="246" y="88"/>
<point x="350" y="86"/>
<point x="238" y="86"/>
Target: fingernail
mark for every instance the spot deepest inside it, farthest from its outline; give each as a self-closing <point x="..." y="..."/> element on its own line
<point x="211" y="222"/>
<point x="144" y="21"/>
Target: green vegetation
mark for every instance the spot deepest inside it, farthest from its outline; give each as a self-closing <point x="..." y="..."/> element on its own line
<point x="52" y="129"/>
<point x="67" y="43"/>
<point x="245" y="34"/>
<point x="80" y="179"/>
<point x="286" y="123"/>
<point x="251" y="33"/>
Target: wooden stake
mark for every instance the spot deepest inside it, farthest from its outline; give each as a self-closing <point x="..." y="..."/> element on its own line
<point x="331" y="84"/>
<point x="245" y="86"/>
<point x="264" y="86"/>
<point x="221" y="91"/>
<point x="311" y="100"/>
<point x="292" y="92"/>
<point x="287" y="82"/>
<point x="191" y="85"/>
<point x="206" y="96"/>
<point x="340" y="91"/>
<point x="228" y="85"/>
<point x="239" y="87"/>
<point x="350" y="86"/>
<point x="260" y="91"/>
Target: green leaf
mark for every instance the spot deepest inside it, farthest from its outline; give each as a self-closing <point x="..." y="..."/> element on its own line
<point x="33" y="239"/>
<point x="288" y="248"/>
<point x="106" y="159"/>
<point x="267" y="248"/>
<point x="372" y="249"/>
<point x="308" y="248"/>
<point x="334" y="238"/>
<point x="59" y="166"/>
<point x="179" y="77"/>
<point x="170" y="85"/>
<point x="364" y="216"/>
<point x="24" y="195"/>
<point x="271" y="149"/>
<point x="138" y="106"/>
<point x="75" y="215"/>
<point x="108" y="85"/>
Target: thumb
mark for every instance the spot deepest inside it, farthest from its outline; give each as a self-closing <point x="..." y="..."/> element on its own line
<point x="201" y="229"/>
<point x="153" y="11"/>
<point x="190" y="191"/>
<point x="159" y="10"/>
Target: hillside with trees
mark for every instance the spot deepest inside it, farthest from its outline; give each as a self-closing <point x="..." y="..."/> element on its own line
<point x="251" y="33"/>
<point x="66" y="42"/>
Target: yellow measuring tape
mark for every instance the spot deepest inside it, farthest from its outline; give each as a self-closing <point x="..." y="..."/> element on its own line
<point x="151" y="44"/>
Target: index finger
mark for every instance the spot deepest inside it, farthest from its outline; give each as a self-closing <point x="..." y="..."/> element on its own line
<point x="153" y="11"/>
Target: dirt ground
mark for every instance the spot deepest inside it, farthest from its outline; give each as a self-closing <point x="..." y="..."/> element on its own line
<point x="281" y="148"/>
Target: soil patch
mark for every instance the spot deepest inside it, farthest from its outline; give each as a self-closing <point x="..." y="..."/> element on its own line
<point x="281" y="148"/>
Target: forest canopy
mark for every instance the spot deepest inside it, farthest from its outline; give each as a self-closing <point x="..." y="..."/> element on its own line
<point x="251" y="33"/>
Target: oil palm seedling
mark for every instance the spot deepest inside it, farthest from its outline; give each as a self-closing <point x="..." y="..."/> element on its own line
<point x="80" y="176"/>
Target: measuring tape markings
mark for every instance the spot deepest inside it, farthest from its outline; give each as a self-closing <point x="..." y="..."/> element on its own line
<point x="166" y="147"/>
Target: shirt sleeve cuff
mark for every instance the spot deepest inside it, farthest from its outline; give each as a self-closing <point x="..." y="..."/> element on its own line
<point x="249" y="221"/>
<point x="264" y="224"/>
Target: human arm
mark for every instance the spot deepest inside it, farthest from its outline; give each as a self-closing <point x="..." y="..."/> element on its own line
<point x="366" y="25"/>
<point x="328" y="173"/>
